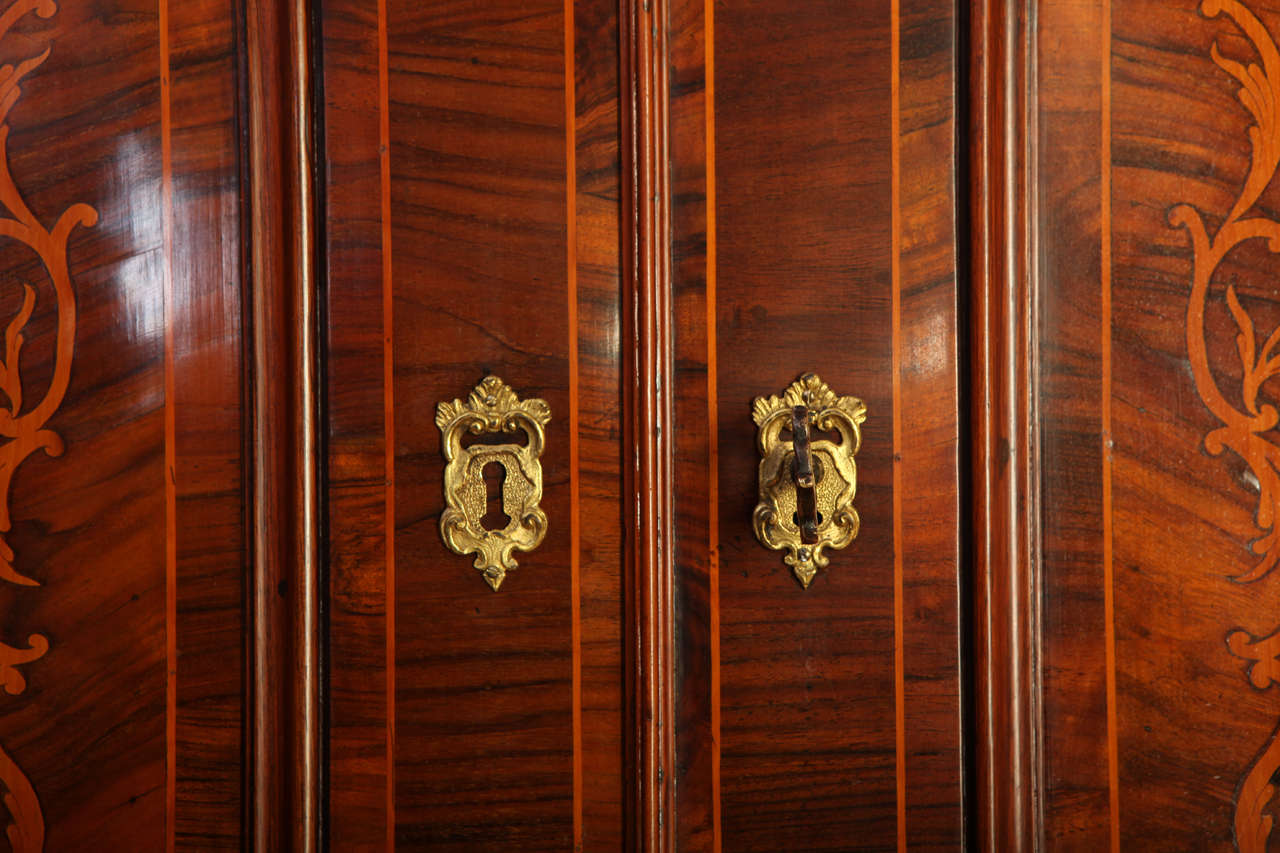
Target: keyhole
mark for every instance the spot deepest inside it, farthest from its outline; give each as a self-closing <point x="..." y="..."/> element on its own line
<point x="495" y="474"/>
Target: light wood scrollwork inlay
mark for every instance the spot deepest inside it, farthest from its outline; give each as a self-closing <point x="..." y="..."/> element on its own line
<point x="1255" y="792"/>
<point x="1247" y="429"/>
<point x="23" y="427"/>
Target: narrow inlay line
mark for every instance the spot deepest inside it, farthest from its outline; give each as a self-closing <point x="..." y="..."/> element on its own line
<point x="170" y="430"/>
<point x="713" y="424"/>
<point x="388" y="419"/>
<point x="1109" y="605"/>
<point x="571" y="271"/>
<point x="895" y="264"/>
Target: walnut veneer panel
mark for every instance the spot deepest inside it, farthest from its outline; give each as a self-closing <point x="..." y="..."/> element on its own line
<point x="473" y="209"/>
<point x="814" y="213"/>
<point x="129" y="729"/>
<point x="1156" y="432"/>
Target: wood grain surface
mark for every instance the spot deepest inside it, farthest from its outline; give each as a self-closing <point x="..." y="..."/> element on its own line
<point x="360" y="469"/>
<point x="283" y="751"/>
<point x="649" y="426"/>
<point x="1155" y="726"/>
<point x="473" y="217"/>
<point x="206" y="371"/>
<point x="1003" y="519"/>
<point x="1075" y="735"/>
<point x="130" y="729"/>
<point x="826" y="718"/>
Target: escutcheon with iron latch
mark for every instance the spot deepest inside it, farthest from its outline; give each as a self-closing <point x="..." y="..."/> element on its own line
<point x="807" y="486"/>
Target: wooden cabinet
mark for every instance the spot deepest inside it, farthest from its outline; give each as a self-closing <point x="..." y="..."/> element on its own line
<point x="472" y="220"/>
<point x="266" y="262"/>
<point x="812" y="231"/>
<point x="1145" y="220"/>
<point x="648" y="258"/>
<point x="123" y="462"/>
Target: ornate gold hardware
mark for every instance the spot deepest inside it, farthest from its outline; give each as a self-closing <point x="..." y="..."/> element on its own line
<point x="802" y="467"/>
<point x="493" y="408"/>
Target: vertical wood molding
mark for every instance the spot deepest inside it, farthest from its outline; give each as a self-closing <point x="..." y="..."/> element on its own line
<point x="1005" y="465"/>
<point x="284" y="680"/>
<point x="647" y="298"/>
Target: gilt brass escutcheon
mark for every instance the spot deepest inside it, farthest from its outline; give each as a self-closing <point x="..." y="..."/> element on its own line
<point x="826" y="470"/>
<point x="493" y="408"/>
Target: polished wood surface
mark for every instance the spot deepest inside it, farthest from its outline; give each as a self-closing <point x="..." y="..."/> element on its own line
<point x="359" y="469"/>
<point x="1001" y="642"/>
<point x="814" y="230"/>
<point x="649" y="367"/>
<point x="206" y="365"/>
<point x="284" y="710"/>
<point x="1156" y="303"/>
<point x="930" y="486"/>
<point x="252" y="245"/>
<point x="495" y="183"/>
<point x="130" y="727"/>
<point x="447" y="253"/>
<point x="473" y="226"/>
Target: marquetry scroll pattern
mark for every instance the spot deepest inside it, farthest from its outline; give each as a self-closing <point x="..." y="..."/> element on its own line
<point x="23" y="428"/>
<point x="1247" y="429"/>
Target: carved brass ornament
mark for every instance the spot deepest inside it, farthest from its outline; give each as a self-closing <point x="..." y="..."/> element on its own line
<point x="833" y="479"/>
<point x="493" y="408"/>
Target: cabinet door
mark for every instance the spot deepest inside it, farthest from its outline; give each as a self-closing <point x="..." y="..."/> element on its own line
<point x="814" y="227"/>
<point x="122" y="508"/>
<point x="1156" y="302"/>
<point x="647" y="216"/>
<point x="473" y="209"/>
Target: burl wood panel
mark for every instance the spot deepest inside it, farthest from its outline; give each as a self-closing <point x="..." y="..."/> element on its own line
<point x="129" y="728"/>
<point x="464" y="240"/>
<point x="814" y="197"/>
<point x="1158" y="306"/>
